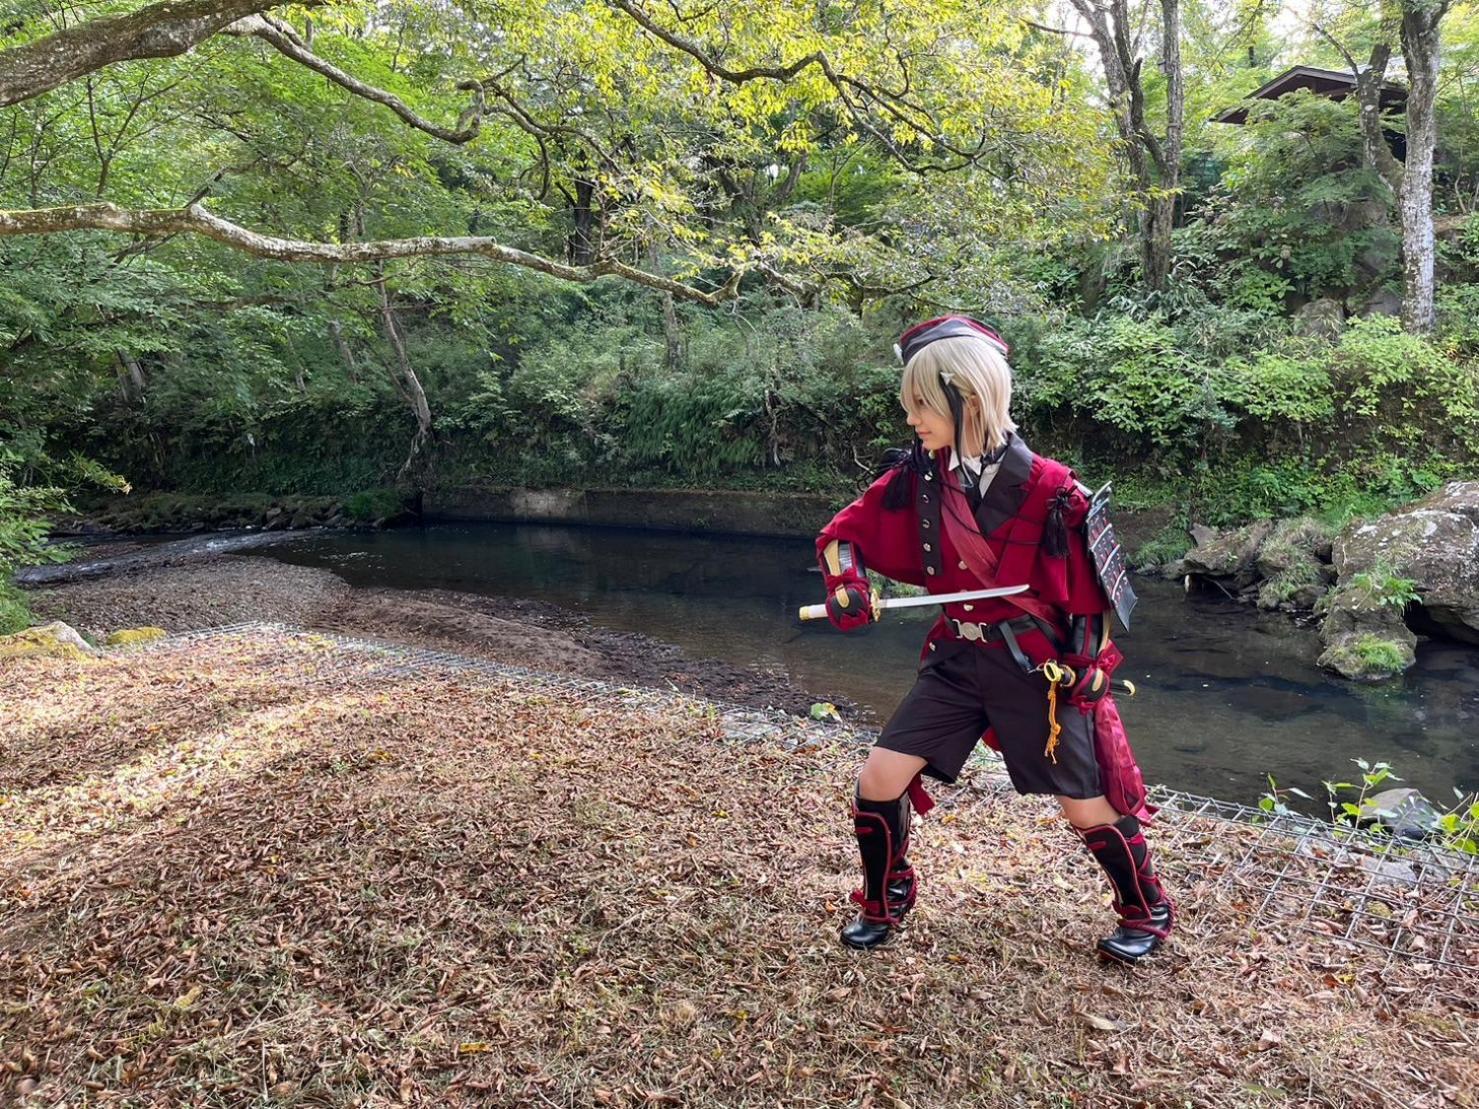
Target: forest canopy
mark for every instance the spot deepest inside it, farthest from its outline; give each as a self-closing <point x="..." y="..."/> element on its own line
<point x="325" y="247"/>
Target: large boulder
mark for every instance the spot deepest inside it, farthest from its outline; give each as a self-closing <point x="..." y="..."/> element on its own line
<point x="1418" y="566"/>
<point x="1231" y="557"/>
<point x="1284" y="565"/>
<point x="54" y="640"/>
<point x="1294" y="563"/>
<point x="1321" y="319"/>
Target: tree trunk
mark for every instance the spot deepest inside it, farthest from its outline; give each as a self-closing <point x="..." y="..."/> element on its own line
<point x="409" y="386"/>
<point x="580" y="248"/>
<point x="1155" y="164"/>
<point x="1163" y="207"/>
<point x="351" y="367"/>
<point x="1420" y="47"/>
<point x="130" y="378"/>
<point x="1375" y="153"/>
<point x="672" y="334"/>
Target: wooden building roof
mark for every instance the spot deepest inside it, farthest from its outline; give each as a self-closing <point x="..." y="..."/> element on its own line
<point x="1334" y="83"/>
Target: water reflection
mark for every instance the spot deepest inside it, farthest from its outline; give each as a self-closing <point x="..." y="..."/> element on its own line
<point x="1229" y="694"/>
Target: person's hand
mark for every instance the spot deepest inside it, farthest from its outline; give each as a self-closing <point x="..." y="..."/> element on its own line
<point x="850" y="606"/>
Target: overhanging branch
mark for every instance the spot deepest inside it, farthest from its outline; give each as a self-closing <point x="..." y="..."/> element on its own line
<point x="849" y="90"/>
<point x="286" y="42"/>
<point x="196" y="220"/>
<point x="161" y="30"/>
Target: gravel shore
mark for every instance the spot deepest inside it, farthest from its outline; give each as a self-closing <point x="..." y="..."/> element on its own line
<point x="211" y="590"/>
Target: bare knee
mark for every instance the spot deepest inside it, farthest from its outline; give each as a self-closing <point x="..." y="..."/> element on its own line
<point x="1087" y="812"/>
<point x="887" y="774"/>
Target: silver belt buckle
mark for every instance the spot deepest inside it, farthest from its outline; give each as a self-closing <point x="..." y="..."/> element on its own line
<point x="968" y="631"/>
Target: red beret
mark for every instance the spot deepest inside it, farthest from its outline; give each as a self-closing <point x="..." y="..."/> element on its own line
<point x="922" y="335"/>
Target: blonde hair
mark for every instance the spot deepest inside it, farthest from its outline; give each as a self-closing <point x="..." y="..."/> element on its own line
<point x="984" y="379"/>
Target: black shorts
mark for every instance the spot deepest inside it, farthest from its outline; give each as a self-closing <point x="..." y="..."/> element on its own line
<point x="962" y="689"/>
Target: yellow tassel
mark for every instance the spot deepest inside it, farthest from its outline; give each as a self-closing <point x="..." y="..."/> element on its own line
<point x="1053" y="726"/>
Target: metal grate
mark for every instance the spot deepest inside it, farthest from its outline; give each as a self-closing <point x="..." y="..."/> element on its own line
<point x="1416" y="904"/>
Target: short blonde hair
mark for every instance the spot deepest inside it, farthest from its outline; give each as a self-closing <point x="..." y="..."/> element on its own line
<point x="978" y="370"/>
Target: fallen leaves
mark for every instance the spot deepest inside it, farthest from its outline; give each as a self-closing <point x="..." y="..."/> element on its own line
<point x="263" y="863"/>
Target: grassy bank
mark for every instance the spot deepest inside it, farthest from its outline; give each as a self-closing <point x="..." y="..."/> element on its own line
<point x="261" y="867"/>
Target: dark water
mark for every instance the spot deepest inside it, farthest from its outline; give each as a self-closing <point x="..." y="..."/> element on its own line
<point x="1227" y="694"/>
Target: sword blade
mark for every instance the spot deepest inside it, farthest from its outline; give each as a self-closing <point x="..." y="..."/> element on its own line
<point x="951" y="598"/>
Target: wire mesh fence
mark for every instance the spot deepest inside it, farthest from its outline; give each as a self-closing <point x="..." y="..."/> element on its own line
<point x="1412" y="904"/>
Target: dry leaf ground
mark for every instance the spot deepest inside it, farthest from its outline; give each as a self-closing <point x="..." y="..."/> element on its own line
<point x="264" y="869"/>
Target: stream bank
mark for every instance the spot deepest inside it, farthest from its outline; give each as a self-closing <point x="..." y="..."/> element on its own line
<point x="185" y="586"/>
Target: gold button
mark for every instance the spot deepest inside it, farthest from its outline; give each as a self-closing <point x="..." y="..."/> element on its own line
<point x="969" y="608"/>
<point x="929" y="569"/>
<point x="926" y="546"/>
<point x="932" y="646"/>
<point x="961" y="564"/>
<point x="924" y="523"/>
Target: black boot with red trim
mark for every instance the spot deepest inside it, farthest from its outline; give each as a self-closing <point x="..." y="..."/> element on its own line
<point x="888" y="892"/>
<point x="1146" y="913"/>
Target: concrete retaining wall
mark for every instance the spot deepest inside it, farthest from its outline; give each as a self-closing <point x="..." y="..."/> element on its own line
<point x="780" y="514"/>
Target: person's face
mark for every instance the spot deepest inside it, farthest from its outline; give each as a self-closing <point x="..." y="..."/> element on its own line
<point x="934" y="430"/>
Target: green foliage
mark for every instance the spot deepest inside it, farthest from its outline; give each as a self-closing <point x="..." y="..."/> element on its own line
<point x="1347" y="800"/>
<point x="1132" y="379"/>
<point x="1382" y="587"/>
<point x="24" y="521"/>
<point x="374" y="504"/>
<point x="14" y="614"/>
<point x="1274" y="802"/>
<point x="1297" y="211"/>
<point x="1378" y="656"/>
<point x="1165" y="546"/>
<point x="1459" y="826"/>
<point x="1287" y="384"/>
<point x="1407" y="387"/>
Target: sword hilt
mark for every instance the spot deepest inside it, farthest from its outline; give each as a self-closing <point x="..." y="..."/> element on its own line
<point x="819" y="612"/>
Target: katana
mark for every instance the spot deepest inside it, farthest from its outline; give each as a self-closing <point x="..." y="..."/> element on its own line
<point x="819" y="612"/>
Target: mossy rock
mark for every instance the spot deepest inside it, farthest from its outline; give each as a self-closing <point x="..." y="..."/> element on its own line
<point x="54" y="640"/>
<point x="1367" y="657"/>
<point x="125" y="637"/>
<point x="1165" y="548"/>
<point x="1302" y="586"/>
<point x="1298" y="542"/>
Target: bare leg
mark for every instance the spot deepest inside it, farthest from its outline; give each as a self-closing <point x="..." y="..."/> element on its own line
<point x="1088" y="812"/>
<point x="887" y="774"/>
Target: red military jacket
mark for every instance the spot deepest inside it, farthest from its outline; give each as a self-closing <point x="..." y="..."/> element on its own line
<point x="909" y="544"/>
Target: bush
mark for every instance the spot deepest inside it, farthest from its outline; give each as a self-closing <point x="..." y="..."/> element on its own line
<point x="1131" y="379"/>
<point x="14" y="613"/>
<point x="23" y="522"/>
<point x="1410" y="394"/>
<point x="1289" y="384"/>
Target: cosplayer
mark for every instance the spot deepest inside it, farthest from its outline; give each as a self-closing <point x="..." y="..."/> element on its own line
<point x="970" y="507"/>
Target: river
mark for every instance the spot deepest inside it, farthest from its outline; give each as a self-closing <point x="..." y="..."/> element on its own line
<point x="1227" y="695"/>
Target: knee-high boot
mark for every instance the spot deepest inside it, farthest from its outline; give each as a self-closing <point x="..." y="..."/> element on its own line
<point x="1145" y="912"/>
<point x="888" y="891"/>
